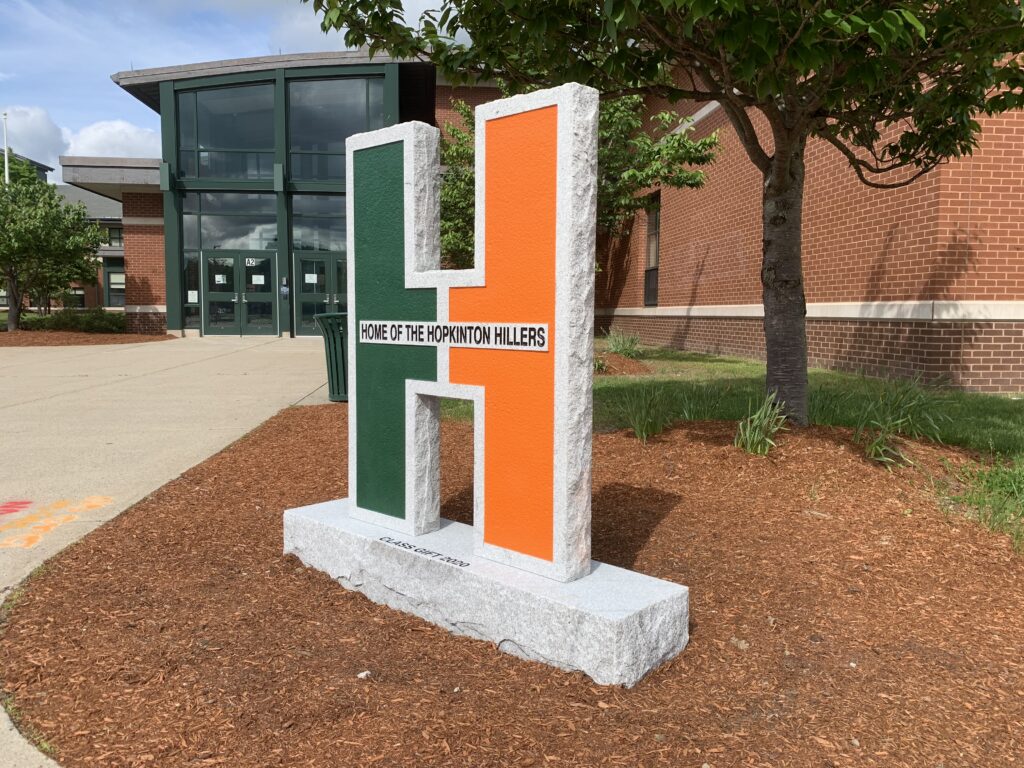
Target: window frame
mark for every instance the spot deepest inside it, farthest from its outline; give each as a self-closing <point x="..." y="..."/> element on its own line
<point x="652" y="262"/>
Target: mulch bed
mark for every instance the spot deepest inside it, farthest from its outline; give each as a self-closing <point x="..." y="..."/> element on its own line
<point x="73" y="338"/>
<point x="839" y="618"/>
<point x="619" y="365"/>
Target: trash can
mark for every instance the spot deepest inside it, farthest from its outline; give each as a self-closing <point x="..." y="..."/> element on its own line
<point x="333" y="326"/>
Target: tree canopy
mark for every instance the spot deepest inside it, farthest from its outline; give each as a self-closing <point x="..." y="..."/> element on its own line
<point x="892" y="86"/>
<point x="634" y="157"/>
<point x="45" y="243"/>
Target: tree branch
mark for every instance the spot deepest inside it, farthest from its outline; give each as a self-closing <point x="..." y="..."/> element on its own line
<point x="859" y="166"/>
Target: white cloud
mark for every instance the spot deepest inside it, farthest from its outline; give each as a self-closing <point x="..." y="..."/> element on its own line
<point x="113" y="138"/>
<point x="33" y="133"/>
<point x="298" y="31"/>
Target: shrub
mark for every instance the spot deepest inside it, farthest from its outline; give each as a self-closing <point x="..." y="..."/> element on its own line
<point x="86" y="321"/>
<point x="600" y="366"/>
<point x="755" y="433"/>
<point x="647" y="410"/>
<point x="627" y="345"/>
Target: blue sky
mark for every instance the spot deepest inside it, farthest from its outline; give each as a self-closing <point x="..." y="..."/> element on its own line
<point x="56" y="58"/>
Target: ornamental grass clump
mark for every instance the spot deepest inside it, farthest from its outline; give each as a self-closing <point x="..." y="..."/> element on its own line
<point x="627" y="345"/>
<point x="647" y="410"/>
<point x="756" y="432"/>
<point x="904" y="409"/>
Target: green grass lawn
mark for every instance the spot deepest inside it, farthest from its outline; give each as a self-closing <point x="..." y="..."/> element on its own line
<point x="693" y="387"/>
<point x="710" y="387"/>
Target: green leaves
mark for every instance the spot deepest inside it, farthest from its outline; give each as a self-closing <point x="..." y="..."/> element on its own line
<point x="458" y="192"/>
<point x="633" y="158"/>
<point x="45" y="245"/>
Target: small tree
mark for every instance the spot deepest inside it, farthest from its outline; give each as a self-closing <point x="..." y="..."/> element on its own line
<point x="895" y="87"/>
<point x="630" y="161"/>
<point x="458" y="190"/>
<point x="45" y="244"/>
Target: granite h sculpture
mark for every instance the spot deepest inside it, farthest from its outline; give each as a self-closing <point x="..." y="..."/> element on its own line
<point x="514" y="335"/>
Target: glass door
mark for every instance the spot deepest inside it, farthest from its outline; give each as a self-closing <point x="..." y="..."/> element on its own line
<point x="322" y="288"/>
<point x="221" y="315"/>
<point x="258" y="296"/>
<point x="314" y="294"/>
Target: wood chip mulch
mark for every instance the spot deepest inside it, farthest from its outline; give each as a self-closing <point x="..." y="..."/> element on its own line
<point x="620" y="365"/>
<point x="73" y="338"/>
<point x="839" y="618"/>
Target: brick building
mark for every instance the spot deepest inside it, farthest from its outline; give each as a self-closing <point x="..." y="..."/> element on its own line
<point x="239" y="227"/>
<point x="923" y="280"/>
<point x="108" y="291"/>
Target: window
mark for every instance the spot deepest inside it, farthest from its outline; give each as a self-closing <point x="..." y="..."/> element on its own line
<point x="74" y="298"/>
<point x="227" y="133"/>
<point x="115" y="237"/>
<point x="321" y="115"/>
<point x="653" y="255"/>
<point x="318" y="223"/>
<point x="229" y="221"/>
<point x="115" y="289"/>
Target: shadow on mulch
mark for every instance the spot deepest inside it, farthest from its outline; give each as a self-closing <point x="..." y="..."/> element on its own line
<point x="841" y="620"/>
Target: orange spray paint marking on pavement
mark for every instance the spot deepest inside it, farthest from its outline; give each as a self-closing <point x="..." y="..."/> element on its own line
<point x="33" y="527"/>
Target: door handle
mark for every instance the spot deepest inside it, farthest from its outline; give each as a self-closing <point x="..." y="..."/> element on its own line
<point x="244" y="300"/>
<point x="235" y="299"/>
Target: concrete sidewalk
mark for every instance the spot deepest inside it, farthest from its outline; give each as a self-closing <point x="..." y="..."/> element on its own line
<point x="90" y="430"/>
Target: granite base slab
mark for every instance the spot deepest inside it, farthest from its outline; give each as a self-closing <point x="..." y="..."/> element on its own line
<point x="613" y="624"/>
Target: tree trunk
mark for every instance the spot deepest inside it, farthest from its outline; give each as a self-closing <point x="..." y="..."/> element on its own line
<point x="13" y="305"/>
<point x="785" y="306"/>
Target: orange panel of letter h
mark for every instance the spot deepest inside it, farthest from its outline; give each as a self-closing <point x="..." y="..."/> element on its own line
<point x="521" y="167"/>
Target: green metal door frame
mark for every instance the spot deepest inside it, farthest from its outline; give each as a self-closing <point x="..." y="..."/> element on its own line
<point x="331" y="300"/>
<point x="239" y="296"/>
<point x="210" y="295"/>
<point x="247" y="328"/>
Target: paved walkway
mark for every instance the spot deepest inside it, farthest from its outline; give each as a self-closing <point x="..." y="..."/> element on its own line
<point x="90" y="430"/>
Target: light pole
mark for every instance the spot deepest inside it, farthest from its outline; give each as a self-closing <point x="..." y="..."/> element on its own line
<point x="7" y="163"/>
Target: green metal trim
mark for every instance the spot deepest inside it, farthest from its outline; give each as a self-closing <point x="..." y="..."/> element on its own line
<point x="390" y="94"/>
<point x="280" y="120"/>
<point x="284" y="247"/>
<point x="172" y="209"/>
<point x="326" y="187"/>
<point x="270" y="75"/>
<point x="355" y="70"/>
<point x="226" y="185"/>
<point x="242" y="78"/>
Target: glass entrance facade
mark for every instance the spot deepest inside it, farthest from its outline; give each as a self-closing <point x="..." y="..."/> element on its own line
<point x="254" y="193"/>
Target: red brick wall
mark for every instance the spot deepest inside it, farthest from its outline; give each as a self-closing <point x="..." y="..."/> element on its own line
<point x="443" y="112"/>
<point x="957" y="233"/>
<point x="149" y="323"/>
<point x="145" y="281"/>
<point x="982" y="357"/>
